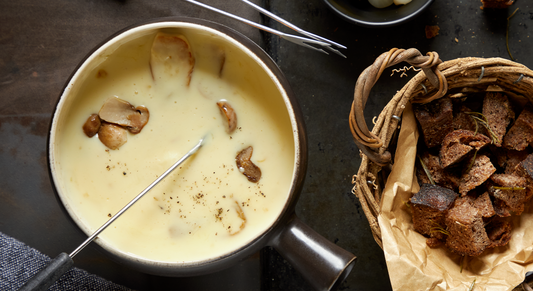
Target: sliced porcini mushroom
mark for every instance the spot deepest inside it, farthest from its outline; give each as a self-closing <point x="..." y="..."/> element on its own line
<point x="112" y="136"/>
<point x="118" y="111"/>
<point x="246" y="166"/>
<point x="140" y="119"/>
<point x="221" y="58"/>
<point x="171" y="56"/>
<point x="215" y="57"/>
<point x="92" y="125"/>
<point x="242" y="217"/>
<point x="229" y="115"/>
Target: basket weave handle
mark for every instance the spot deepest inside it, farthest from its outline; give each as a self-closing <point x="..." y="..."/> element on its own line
<point x="366" y="141"/>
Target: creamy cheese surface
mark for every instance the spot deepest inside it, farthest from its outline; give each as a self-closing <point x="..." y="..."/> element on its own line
<point x="207" y="207"/>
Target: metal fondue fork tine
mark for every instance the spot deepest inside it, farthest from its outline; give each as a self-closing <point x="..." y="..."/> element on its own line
<point x="296" y="28"/>
<point x="62" y="263"/>
<point x="292" y="38"/>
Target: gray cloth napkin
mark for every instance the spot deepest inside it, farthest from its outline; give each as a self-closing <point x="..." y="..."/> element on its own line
<point x="19" y="262"/>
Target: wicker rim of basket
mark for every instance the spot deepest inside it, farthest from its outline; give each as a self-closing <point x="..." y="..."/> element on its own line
<point x="435" y="80"/>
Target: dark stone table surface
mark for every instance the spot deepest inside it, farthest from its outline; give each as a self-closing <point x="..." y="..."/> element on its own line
<point x="41" y="42"/>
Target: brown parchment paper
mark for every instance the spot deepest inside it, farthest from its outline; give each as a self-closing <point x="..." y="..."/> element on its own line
<point x="412" y="265"/>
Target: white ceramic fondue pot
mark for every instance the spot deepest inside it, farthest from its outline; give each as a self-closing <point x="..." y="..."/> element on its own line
<point x="321" y="262"/>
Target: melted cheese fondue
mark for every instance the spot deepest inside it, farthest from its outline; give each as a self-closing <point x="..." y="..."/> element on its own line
<point x="205" y="208"/>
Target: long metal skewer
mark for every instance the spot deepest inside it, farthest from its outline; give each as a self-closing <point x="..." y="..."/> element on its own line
<point x="118" y="214"/>
<point x="289" y="37"/>
<point x="296" y="28"/>
<point x="62" y="263"/>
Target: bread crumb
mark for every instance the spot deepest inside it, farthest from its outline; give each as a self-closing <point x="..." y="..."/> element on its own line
<point x="432" y="31"/>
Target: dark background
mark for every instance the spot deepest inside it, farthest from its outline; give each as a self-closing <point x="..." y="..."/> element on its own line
<point x="41" y="42"/>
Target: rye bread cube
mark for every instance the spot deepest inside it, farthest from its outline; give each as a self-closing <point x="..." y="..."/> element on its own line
<point x="525" y="169"/>
<point x="501" y="209"/>
<point x="521" y="133"/>
<point x="480" y="172"/>
<point x="435" y="119"/>
<point x="481" y="203"/>
<point x="458" y="144"/>
<point x="467" y="235"/>
<point x="463" y="120"/>
<point x="484" y="205"/>
<point x="499" y="114"/>
<point x="430" y="206"/>
<point x="512" y="190"/>
<point x="499" y="233"/>
<point x="509" y="159"/>
<point x="441" y="177"/>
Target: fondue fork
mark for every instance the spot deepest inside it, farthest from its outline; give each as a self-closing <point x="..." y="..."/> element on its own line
<point x="296" y="28"/>
<point x="289" y="37"/>
<point x="62" y="263"/>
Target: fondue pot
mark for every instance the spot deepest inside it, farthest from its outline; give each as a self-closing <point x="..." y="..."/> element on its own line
<point x="322" y="263"/>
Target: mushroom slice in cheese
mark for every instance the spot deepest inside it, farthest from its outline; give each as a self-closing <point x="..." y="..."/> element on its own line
<point x="171" y="56"/>
<point x="229" y="115"/>
<point x="112" y="136"/>
<point x="118" y="111"/>
<point x="246" y="166"/>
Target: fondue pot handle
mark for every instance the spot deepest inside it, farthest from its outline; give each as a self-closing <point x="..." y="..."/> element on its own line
<point x="324" y="264"/>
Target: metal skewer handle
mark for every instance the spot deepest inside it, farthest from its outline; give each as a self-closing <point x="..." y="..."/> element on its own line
<point x="292" y="38"/>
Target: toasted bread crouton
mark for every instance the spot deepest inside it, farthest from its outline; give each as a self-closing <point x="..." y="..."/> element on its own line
<point x="499" y="233"/>
<point x="458" y="144"/>
<point x="467" y="235"/>
<point x="501" y="209"/>
<point x="440" y="176"/>
<point x="484" y="205"/>
<point x="512" y="190"/>
<point x="521" y="133"/>
<point x="525" y="169"/>
<point x="509" y="159"/>
<point x="430" y="206"/>
<point x="498" y="113"/>
<point x="480" y="171"/>
<point x="434" y="242"/>
<point x="435" y="119"/>
<point x="463" y="120"/>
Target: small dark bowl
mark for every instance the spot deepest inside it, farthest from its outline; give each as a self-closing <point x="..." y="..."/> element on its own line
<point x="361" y="12"/>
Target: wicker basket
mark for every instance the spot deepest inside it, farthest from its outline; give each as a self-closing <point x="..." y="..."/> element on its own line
<point x="436" y="79"/>
<point x="452" y="78"/>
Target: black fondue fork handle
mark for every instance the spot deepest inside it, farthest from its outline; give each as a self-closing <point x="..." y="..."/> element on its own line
<point x="50" y="274"/>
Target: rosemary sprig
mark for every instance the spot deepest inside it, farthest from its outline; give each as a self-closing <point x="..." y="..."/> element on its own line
<point x="483" y="120"/>
<point x="486" y="125"/>
<point x="477" y="113"/>
<point x="509" y="188"/>
<point x="472" y="162"/>
<point x="426" y="170"/>
<point x="460" y="224"/>
<point x="477" y="126"/>
<point x="437" y="227"/>
<point x="472" y="285"/>
<point x="507" y="35"/>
